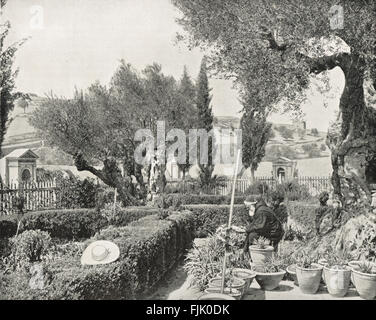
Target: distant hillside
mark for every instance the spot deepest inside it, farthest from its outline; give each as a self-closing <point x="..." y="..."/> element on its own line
<point x="288" y="140"/>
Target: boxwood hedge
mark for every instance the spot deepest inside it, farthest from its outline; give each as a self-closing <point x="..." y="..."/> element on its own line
<point x="175" y="200"/>
<point x="149" y="248"/>
<point x="69" y="224"/>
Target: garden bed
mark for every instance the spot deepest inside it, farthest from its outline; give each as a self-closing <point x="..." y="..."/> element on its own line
<point x="149" y="248"/>
<point x="72" y="223"/>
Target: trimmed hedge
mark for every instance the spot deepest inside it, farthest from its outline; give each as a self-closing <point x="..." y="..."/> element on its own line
<point x="148" y="249"/>
<point x="174" y="200"/>
<point x="209" y="217"/>
<point x="69" y="224"/>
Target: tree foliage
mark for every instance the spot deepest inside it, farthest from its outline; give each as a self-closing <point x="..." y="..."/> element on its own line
<point x="8" y="74"/>
<point x="256" y="132"/>
<point x="97" y="128"/>
<point x="205" y="121"/>
<point x="272" y="49"/>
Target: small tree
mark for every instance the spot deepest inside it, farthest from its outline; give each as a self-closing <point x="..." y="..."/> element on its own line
<point x="188" y="115"/>
<point x="205" y="121"/>
<point x="256" y="132"/>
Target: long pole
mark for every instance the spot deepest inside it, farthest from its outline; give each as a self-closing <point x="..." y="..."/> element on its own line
<point x="229" y="221"/>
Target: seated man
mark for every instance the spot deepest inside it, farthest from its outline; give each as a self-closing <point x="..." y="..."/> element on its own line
<point x="264" y="224"/>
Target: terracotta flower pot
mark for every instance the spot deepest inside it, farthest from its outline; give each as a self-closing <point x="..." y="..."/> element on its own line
<point x="237" y="284"/>
<point x="365" y="284"/>
<point x="355" y="264"/>
<point x="234" y="293"/>
<point x="246" y="275"/>
<point x="269" y="281"/>
<point x="216" y="296"/>
<point x="291" y="270"/>
<point x="337" y="281"/>
<point x="259" y="256"/>
<point x="309" y="278"/>
<point x="323" y="263"/>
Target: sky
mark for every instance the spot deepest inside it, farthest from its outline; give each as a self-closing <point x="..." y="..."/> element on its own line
<point x="74" y="43"/>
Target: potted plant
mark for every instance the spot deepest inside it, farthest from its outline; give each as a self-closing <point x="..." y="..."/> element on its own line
<point x="364" y="277"/>
<point x="337" y="274"/>
<point x="308" y="274"/>
<point x="269" y="275"/>
<point x="260" y="251"/>
<point x="241" y="268"/>
<point x="231" y="282"/>
<point x="291" y="270"/>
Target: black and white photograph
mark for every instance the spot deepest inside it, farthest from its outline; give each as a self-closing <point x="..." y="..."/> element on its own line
<point x="180" y="151"/>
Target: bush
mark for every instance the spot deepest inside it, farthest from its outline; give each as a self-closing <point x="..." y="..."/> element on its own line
<point x="293" y="191"/>
<point x="29" y="247"/>
<point x="209" y="217"/>
<point x="176" y="200"/>
<point x="303" y="213"/>
<point x="71" y="224"/>
<point x="257" y="188"/>
<point x="148" y="249"/>
<point x="75" y="193"/>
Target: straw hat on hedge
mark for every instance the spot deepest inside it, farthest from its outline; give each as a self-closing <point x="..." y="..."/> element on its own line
<point x="100" y="252"/>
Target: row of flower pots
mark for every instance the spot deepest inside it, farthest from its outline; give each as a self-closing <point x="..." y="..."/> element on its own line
<point x="269" y="269"/>
<point x="337" y="278"/>
<point x="336" y="274"/>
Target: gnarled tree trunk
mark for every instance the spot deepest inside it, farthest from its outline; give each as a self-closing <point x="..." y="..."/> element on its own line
<point x="110" y="175"/>
<point x="352" y="139"/>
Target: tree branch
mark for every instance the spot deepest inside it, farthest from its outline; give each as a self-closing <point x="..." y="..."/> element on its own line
<point x="318" y="65"/>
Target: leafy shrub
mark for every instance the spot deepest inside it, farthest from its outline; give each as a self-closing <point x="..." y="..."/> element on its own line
<point x="303" y="214"/>
<point x="364" y="244"/>
<point x="111" y="213"/>
<point x="257" y="188"/>
<point x="29" y="247"/>
<point x="293" y="191"/>
<point x="175" y="200"/>
<point x="209" y="217"/>
<point x="188" y="186"/>
<point x="74" y="193"/>
<point x="293" y="233"/>
<point x="72" y="224"/>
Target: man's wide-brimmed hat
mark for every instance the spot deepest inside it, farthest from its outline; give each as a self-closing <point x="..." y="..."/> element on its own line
<point x="100" y="252"/>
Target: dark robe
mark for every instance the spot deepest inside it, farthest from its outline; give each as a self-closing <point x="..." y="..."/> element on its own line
<point x="264" y="224"/>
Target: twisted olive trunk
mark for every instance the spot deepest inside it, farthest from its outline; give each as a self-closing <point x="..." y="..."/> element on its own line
<point x="350" y="139"/>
